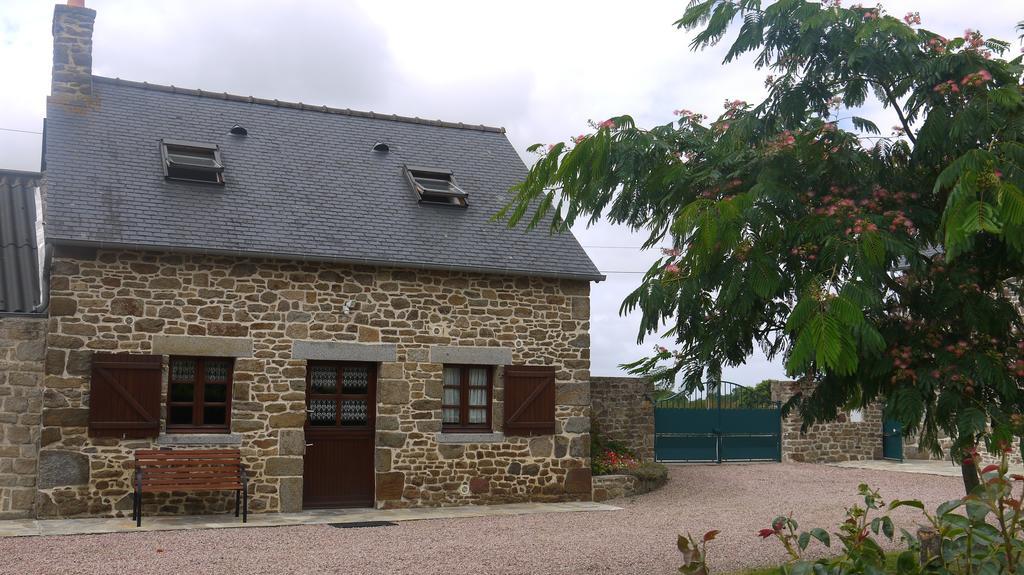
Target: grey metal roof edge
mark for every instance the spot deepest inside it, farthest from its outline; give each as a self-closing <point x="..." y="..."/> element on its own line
<point x="20" y="174"/>
<point x="598" y="277"/>
<point x="295" y="105"/>
<point x="19" y="251"/>
<point x="24" y="314"/>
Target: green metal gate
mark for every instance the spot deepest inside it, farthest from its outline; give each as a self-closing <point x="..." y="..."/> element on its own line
<point x="730" y="422"/>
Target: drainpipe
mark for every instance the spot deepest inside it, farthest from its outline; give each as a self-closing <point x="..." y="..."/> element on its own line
<point x="44" y="281"/>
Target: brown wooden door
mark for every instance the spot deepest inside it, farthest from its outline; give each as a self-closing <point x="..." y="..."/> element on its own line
<point x="340" y="409"/>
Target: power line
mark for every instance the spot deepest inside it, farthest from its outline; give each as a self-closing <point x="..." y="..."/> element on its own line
<point x="615" y="247"/>
<point x="21" y="131"/>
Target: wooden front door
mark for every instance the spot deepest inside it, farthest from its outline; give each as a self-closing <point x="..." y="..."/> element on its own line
<point x="340" y="408"/>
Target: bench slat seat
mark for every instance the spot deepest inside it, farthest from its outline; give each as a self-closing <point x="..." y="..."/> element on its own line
<point x="186" y="470"/>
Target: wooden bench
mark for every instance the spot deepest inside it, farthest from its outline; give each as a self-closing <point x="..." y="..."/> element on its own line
<point x="186" y="470"/>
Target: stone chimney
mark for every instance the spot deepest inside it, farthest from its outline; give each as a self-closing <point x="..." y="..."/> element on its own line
<point x="72" y="52"/>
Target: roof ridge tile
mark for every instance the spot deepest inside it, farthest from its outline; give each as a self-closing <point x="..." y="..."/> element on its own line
<point x="296" y="105"/>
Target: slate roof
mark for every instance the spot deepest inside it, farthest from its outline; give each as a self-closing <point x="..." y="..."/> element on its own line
<point x="19" y="255"/>
<point x="304" y="184"/>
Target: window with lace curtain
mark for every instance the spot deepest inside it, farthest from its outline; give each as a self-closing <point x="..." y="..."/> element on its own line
<point x="466" y="405"/>
<point x="199" y="394"/>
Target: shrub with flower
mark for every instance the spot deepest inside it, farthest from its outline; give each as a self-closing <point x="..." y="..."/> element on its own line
<point x="611" y="462"/>
<point x="608" y="456"/>
<point x="980" y="534"/>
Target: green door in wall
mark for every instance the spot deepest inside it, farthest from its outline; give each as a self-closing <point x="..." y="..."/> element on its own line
<point x="892" y="439"/>
<point x="729" y="422"/>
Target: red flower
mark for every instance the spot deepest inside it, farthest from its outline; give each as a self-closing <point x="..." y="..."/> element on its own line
<point x="990" y="468"/>
<point x="766" y="533"/>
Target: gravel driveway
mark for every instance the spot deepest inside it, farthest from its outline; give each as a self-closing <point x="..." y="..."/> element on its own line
<point x="640" y="539"/>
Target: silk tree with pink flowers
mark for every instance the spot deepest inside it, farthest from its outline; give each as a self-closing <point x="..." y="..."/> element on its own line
<point x="879" y="263"/>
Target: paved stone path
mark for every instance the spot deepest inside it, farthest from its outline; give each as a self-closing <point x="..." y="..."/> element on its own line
<point x="638" y="539"/>
<point x="926" y="467"/>
<point x="30" y="527"/>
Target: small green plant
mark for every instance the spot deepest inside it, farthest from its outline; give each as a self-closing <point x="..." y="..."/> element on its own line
<point x="861" y="552"/>
<point x="694" y="553"/>
<point x="650" y="472"/>
<point x="980" y="534"/>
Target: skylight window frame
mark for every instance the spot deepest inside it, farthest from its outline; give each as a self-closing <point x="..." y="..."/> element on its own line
<point x="456" y="196"/>
<point x="168" y="148"/>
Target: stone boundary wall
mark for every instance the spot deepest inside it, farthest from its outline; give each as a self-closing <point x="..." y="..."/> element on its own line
<point x="607" y="487"/>
<point x="22" y="351"/>
<point x="841" y="440"/>
<point x="621" y="410"/>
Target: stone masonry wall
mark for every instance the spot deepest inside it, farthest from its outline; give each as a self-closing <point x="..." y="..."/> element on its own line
<point x="119" y="301"/>
<point x="608" y="487"/>
<point x="22" y="348"/>
<point x="841" y="440"/>
<point x="621" y="409"/>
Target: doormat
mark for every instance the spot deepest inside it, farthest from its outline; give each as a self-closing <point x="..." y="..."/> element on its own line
<point x="358" y="524"/>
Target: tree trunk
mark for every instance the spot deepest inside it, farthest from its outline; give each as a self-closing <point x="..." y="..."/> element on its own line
<point x="970" y="473"/>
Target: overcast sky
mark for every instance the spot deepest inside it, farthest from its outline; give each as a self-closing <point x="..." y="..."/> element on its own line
<point x="540" y="68"/>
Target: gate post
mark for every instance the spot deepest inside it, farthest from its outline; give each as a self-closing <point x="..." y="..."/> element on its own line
<point x="718" y="431"/>
<point x="778" y="409"/>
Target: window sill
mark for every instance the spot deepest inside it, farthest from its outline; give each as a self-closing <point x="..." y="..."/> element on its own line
<point x="488" y="437"/>
<point x="199" y="439"/>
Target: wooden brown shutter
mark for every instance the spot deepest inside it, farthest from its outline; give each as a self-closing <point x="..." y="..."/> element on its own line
<point x="529" y="400"/>
<point x="124" y="398"/>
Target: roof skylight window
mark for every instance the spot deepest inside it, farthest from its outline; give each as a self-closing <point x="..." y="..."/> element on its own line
<point x="434" y="186"/>
<point x="192" y="162"/>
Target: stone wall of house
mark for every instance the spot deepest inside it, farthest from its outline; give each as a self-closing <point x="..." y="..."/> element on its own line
<point x="22" y="348"/>
<point x="622" y="410"/>
<point x="124" y="301"/>
<point x="841" y="440"/>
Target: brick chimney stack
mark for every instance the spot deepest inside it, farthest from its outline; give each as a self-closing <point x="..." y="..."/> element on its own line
<point x="72" y="52"/>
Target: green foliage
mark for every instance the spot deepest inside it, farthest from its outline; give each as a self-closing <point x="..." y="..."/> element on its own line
<point x="879" y="266"/>
<point x="755" y="397"/>
<point x="695" y="553"/>
<point x="650" y="472"/>
<point x="608" y="456"/>
<point x="981" y="534"/>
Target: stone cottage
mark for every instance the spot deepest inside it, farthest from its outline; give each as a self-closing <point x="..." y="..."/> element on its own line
<point x="321" y="288"/>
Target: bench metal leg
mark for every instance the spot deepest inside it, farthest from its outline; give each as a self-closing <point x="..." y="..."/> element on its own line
<point x="138" y="508"/>
<point x="245" y="504"/>
<point x="237" y="499"/>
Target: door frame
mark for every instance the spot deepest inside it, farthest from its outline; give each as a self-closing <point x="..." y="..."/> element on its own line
<point x="367" y="432"/>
